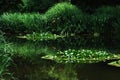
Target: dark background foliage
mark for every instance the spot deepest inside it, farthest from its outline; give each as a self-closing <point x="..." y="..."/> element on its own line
<point x="43" y="5"/>
<point x="9" y="5"/>
<point x="90" y="5"/>
<point x="81" y="17"/>
<point x="36" y="5"/>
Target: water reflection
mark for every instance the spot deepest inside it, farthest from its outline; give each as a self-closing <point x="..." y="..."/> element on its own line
<point x="53" y="71"/>
<point x="48" y="70"/>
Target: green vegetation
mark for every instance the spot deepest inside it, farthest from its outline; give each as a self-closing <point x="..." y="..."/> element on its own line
<point x="63" y="17"/>
<point x="115" y="63"/>
<point x="31" y="50"/>
<point x="36" y="5"/>
<point x="101" y="25"/>
<point x="5" y="58"/>
<point x="25" y="23"/>
<point x="58" y="32"/>
<point x="113" y="24"/>
<point x="81" y="56"/>
<point x="42" y="36"/>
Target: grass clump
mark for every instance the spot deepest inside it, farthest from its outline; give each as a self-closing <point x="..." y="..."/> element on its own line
<point x="5" y="58"/>
<point x="64" y="10"/>
<point x="61" y="16"/>
<point x="26" y="22"/>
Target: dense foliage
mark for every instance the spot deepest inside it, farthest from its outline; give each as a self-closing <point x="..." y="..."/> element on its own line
<point x="90" y="6"/>
<point x="9" y="5"/>
<point x="63" y="17"/>
<point x="66" y="19"/>
<point x="61" y="30"/>
<point x="114" y="24"/>
<point x="5" y="57"/>
<point x="36" y="5"/>
<point x="26" y="22"/>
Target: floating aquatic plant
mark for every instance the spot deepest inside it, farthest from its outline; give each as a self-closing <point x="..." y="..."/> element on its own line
<point x="42" y="36"/>
<point x="82" y="56"/>
<point x="115" y="63"/>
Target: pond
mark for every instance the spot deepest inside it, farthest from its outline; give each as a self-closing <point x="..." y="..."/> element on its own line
<point x="24" y="68"/>
<point x="49" y="70"/>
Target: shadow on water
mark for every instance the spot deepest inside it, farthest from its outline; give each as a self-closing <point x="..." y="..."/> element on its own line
<point x="49" y="70"/>
<point x="72" y="42"/>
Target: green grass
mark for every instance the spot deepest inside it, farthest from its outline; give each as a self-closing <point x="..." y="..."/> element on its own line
<point x="22" y="22"/>
<point x="63" y="12"/>
<point x="5" y="57"/>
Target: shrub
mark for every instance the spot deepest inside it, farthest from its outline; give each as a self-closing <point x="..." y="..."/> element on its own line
<point x="37" y="5"/>
<point x="100" y="22"/>
<point x="114" y="24"/>
<point x="101" y="28"/>
<point x="63" y="15"/>
<point x="11" y="22"/>
<point x="22" y="22"/>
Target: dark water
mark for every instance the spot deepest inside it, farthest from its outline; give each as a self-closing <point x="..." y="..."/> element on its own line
<point x="48" y="70"/>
